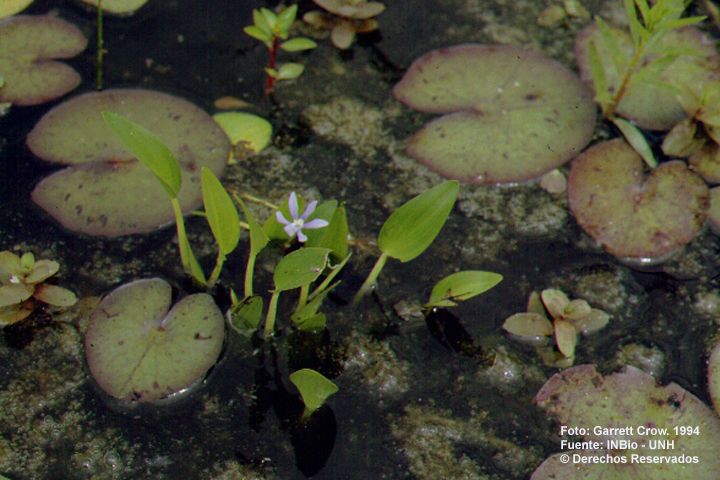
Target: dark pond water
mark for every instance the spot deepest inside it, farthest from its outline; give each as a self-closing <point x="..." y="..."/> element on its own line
<point x="447" y="396"/>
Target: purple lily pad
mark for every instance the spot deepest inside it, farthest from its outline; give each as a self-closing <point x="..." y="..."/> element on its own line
<point x="649" y="105"/>
<point x="28" y="45"/>
<point x="629" y="401"/>
<point x="105" y="190"/>
<point x="633" y="217"/>
<point x="138" y="351"/>
<point x="513" y="114"/>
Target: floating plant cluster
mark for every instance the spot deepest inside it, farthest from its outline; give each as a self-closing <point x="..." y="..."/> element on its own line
<point x="345" y="19"/>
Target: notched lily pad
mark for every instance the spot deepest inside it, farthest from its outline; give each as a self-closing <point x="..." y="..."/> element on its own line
<point x="630" y="400"/>
<point x="106" y="191"/>
<point x="513" y="114"/>
<point x="634" y="217"/>
<point x="137" y="351"/>
<point x="28" y="45"/>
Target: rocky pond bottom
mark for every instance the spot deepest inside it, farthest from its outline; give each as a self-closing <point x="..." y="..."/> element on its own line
<point x="507" y="321"/>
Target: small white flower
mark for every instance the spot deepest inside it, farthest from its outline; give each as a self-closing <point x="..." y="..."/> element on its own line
<point x="297" y="222"/>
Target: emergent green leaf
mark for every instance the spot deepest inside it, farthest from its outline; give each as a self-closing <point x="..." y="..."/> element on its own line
<point x="258" y="238"/>
<point x="286" y="18"/>
<point x="221" y="213"/>
<point x="314" y="388"/>
<point x="335" y="235"/>
<point x="289" y="71"/>
<point x="411" y="229"/>
<point x="148" y="149"/>
<point x="635" y="138"/>
<point x="461" y="286"/>
<point x="298" y="44"/>
<point x="246" y="315"/>
<point x="300" y="267"/>
<point x="258" y="34"/>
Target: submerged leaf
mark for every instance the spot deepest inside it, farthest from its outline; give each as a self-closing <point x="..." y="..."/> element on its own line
<point x="314" y="388"/>
<point x="461" y="286"/>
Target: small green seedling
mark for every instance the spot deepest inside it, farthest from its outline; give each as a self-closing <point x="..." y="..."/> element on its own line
<point x="411" y="229"/>
<point x="273" y="30"/>
<point x="314" y="389"/>
<point x="461" y="286"/>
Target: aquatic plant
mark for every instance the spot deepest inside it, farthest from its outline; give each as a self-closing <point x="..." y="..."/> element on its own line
<point x="22" y="285"/>
<point x="248" y="133"/>
<point x="641" y="74"/>
<point x="297" y="222"/>
<point x="552" y="313"/>
<point x="164" y="351"/>
<point x="29" y="45"/>
<point x="105" y="190"/>
<point x="634" y="421"/>
<point x="117" y="7"/>
<point x="12" y="7"/>
<point x="314" y="389"/>
<point x="461" y="286"/>
<point x="270" y="28"/>
<point x="512" y="114"/>
<point x="345" y="19"/>
<point x="642" y="220"/>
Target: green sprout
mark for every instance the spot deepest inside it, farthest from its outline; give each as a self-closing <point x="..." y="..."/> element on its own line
<point x="314" y="389"/>
<point x="273" y="30"/>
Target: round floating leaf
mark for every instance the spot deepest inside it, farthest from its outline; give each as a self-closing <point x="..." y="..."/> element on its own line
<point x="632" y="216"/>
<point x="518" y="114"/>
<point x="27" y="46"/>
<point x="581" y="397"/>
<point x="138" y="351"/>
<point x="106" y="191"/>
<point x="11" y="7"/>
<point x="118" y="7"/>
<point x="646" y="102"/>
<point x="313" y="387"/>
<point x="528" y="325"/>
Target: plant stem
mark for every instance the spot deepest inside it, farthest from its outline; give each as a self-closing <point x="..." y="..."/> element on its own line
<point x="189" y="262"/>
<point x="302" y="299"/>
<point x="271" y="314"/>
<point x="620" y="93"/>
<point x="219" y="261"/>
<point x="249" y="272"/>
<point x="371" y="278"/>
<point x="270" y="80"/>
<point x="100" y="47"/>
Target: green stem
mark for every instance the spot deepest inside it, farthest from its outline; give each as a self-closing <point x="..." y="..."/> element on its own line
<point x="100" y="47"/>
<point x="271" y="314"/>
<point x="302" y="300"/>
<point x="620" y="93"/>
<point x="219" y="261"/>
<point x="189" y="262"/>
<point x="371" y="278"/>
<point x="249" y="272"/>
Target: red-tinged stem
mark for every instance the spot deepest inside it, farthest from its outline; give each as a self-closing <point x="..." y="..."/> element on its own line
<point x="269" y="80"/>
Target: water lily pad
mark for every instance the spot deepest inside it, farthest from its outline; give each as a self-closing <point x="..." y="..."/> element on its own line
<point x="646" y="102"/>
<point x="118" y="7"/>
<point x="138" y="351"/>
<point x="513" y="114"/>
<point x="28" y="45"/>
<point x="106" y="191"/>
<point x="11" y="7"/>
<point x="631" y="399"/>
<point x="632" y="216"/>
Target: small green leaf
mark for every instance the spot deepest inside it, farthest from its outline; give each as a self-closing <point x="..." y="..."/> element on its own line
<point x="635" y="138"/>
<point x="314" y="323"/>
<point x="258" y="34"/>
<point x="300" y="267"/>
<point x="148" y="149"/>
<point x="254" y="131"/>
<point x="411" y="229"/>
<point x="335" y="235"/>
<point x="289" y="71"/>
<point x="258" y="238"/>
<point x="270" y="18"/>
<point x="271" y="72"/>
<point x="461" y="286"/>
<point x="597" y="72"/>
<point x="314" y="388"/>
<point x="245" y="316"/>
<point x="262" y="24"/>
<point x="324" y="210"/>
<point x="286" y="17"/>
<point x="298" y="45"/>
<point x="221" y="212"/>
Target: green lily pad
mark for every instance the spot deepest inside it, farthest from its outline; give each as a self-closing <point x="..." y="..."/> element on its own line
<point x="630" y="400"/>
<point x="513" y="114"/>
<point x="11" y="7"/>
<point x="137" y="351"/>
<point x="105" y="190"/>
<point x="28" y="45"/>
<point x="634" y="217"/>
<point x="646" y="102"/>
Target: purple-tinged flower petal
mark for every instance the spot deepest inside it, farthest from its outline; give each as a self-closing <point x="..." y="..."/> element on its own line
<point x="281" y="218"/>
<point x="291" y="229"/>
<point x="301" y="236"/>
<point x="316" y="223"/>
<point x="309" y="210"/>
<point x="293" y="206"/>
